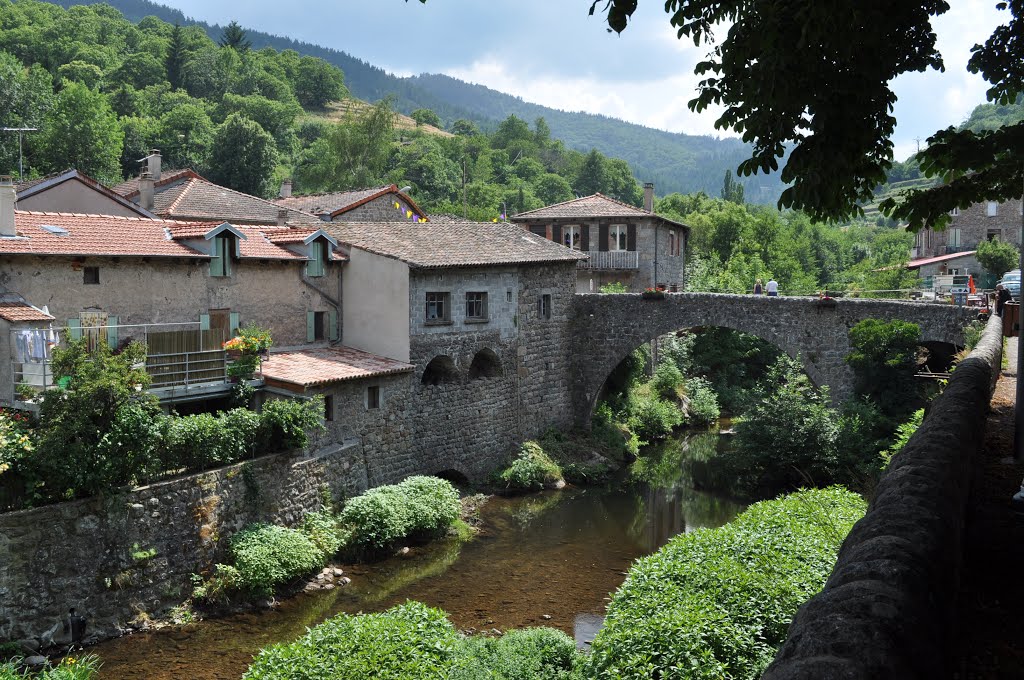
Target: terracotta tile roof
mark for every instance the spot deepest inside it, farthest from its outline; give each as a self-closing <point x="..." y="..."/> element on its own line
<point x="20" y="311"/>
<point x="257" y="244"/>
<point x="451" y="244"/>
<point x="595" y="206"/>
<point x="263" y="243"/>
<point x="46" y="233"/>
<point x="184" y="195"/>
<point x="320" y="366"/>
<point x="914" y="264"/>
<point x="339" y="202"/>
<point x="42" y="184"/>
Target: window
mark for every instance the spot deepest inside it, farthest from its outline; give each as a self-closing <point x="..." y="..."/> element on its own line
<point x="953" y="238"/>
<point x="319" y="325"/>
<point x="544" y="307"/>
<point x="508" y="296"/>
<point x="954" y="212"/>
<point x="329" y="407"/>
<point x="220" y="263"/>
<point x="993" y="209"/>
<point x="91" y="276"/>
<point x="918" y="238"/>
<point x="373" y="397"/>
<point x="317" y="256"/>
<point x="438" y="308"/>
<point x="571" y="237"/>
<point x="476" y="306"/>
<point x="617" y="237"/>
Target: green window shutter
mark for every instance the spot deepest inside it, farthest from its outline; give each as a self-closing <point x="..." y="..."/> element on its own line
<point x="235" y="322"/>
<point x="228" y="249"/>
<point x="75" y="329"/>
<point x="315" y="264"/>
<point x="556" y="233"/>
<point x="204" y="322"/>
<point x="310" y="326"/>
<point x="602" y="237"/>
<point x="217" y="260"/>
<point x="112" y="332"/>
<point x="631" y="238"/>
<point x="585" y="237"/>
<point x="333" y="331"/>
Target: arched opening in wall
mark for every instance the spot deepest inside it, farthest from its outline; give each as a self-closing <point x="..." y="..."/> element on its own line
<point x="486" y="364"/>
<point x="937" y="357"/>
<point x="440" y="370"/>
<point x="454" y="476"/>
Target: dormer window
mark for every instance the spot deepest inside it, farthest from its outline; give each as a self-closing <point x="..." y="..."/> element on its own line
<point x="220" y="264"/>
<point x="317" y="257"/>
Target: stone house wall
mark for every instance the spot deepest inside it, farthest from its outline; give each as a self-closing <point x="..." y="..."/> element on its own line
<point x="155" y="290"/>
<point x="975" y="225"/>
<point x="380" y="209"/>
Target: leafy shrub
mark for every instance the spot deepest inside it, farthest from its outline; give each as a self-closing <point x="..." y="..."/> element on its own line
<point x="217" y="589"/>
<point x="267" y="556"/>
<point x="703" y="407"/>
<point x="668" y="381"/>
<point x="419" y="507"/>
<point x="530" y="470"/>
<point x="17" y="438"/>
<point x="884" y="360"/>
<point x="85" y="667"/>
<point x="718" y="602"/>
<point x="523" y="654"/>
<point x="408" y="642"/>
<point x="613" y="287"/>
<point x="903" y="434"/>
<point x="972" y="334"/>
<point x="323" y="529"/>
<point x="649" y="417"/>
<point x="433" y="504"/>
<point x="285" y="422"/>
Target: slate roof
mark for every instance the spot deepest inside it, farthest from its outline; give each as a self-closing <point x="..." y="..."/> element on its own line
<point x="20" y="311"/>
<point x="324" y="365"/>
<point x="92" y="235"/>
<point x="339" y="202"/>
<point x="451" y="244"/>
<point x="184" y="195"/>
<point x="596" y="206"/>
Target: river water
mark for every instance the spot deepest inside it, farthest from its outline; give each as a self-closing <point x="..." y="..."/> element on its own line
<point x="556" y="554"/>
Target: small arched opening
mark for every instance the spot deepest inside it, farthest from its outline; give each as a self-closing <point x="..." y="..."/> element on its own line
<point x="486" y="364"/>
<point x="454" y="476"/>
<point x="440" y="370"/>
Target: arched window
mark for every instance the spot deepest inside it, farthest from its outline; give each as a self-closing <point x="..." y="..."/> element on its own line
<point x="441" y="369"/>
<point x="486" y="364"/>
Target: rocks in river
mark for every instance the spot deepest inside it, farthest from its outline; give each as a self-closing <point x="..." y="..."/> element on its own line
<point x="495" y="631"/>
<point x="30" y="646"/>
<point x="337" y="573"/>
<point x="546" y="617"/>
<point x="34" y="661"/>
<point x="345" y="580"/>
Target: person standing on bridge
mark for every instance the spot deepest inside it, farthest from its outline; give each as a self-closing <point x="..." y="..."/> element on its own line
<point x="757" y="287"/>
<point x="1002" y="297"/>
<point x="773" y="287"/>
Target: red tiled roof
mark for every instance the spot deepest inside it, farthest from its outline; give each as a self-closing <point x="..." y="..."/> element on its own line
<point x="451" y="244"/>
<point x="19" y="311"/>
<point x="264" y="243"/>
<point x="320" y="366"/>
<point x="914" y="264"/>
<point x="339" y="202"/>
<point x="78" y="234"/>
<point x="257" y="243"/>
<point x="130" y="188"/>
<point x="595" y="206"/>
<point x="42" y="184"/>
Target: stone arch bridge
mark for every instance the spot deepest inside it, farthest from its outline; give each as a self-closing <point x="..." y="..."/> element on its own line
<point x="606" y="328"/>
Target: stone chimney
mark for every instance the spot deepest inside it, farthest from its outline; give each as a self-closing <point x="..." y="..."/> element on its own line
<point x="649" y="197"/>
<point x="282" y="217"/>
<point x="146" y="190"/>
<point x="153" y="162"/>
<point x="286" y="189"/>
<point x="8" y="196"/>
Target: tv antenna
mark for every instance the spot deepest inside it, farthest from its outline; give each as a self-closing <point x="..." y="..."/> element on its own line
<point x="21" y="132"/>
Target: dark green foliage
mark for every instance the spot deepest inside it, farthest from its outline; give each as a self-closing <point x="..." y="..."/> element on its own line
<point x="234" y="36"/>
<point x="85" y="667"/>
<point x="668" y="382"/>
<point x="243" y="156"/>
<point x="318" y="83"/>
<point x="650" y="417"/>
<point x="522" y="654"/>
<point x="732" y="362"/>
<point x="903" y="434"/>
<point x="267" y="556"/>
<point x="175" y="59"/>
<point x="997" y="257"/>
<point x="731" y="189"/>
<point x="702" y="407"/>
<point x="531" y="469"/>
<point x="716" y="603"/>
<point x="350" y="154"/>
<point x="284" y="423"/>
<point x="80" y="131"/>
<point x="884" y="360"/>
<point x="426" y="117"/>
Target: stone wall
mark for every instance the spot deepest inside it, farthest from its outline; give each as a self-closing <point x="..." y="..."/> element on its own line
<point x="975" y="225"/>
<point x="79" y="554"/>
<point x="380" y="209"/>
<point x="606" y="328"/>
<point x="888" y="609"/>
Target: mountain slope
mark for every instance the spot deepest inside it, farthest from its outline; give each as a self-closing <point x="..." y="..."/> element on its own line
<point x="675" y="162"/>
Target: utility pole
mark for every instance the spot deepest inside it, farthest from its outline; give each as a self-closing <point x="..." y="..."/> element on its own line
<point x="465" y="201"/>
<point x="21" y="131"/>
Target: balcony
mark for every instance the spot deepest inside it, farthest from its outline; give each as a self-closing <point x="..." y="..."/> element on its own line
<point x="184" y="361"/>
<point x="950" y="250"/>
<point x="611" y="259"/>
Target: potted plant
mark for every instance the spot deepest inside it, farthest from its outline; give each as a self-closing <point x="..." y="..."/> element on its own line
<point x="247" y="349"/>
<point x="653" y="294"/>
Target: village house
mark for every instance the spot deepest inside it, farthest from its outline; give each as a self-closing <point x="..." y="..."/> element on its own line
<point x="625" y="244"/>
<point x="74" y="191"/>
<point x="378" y="204"/>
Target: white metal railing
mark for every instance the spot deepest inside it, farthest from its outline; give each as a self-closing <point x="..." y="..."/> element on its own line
<point x="611" y="259"/>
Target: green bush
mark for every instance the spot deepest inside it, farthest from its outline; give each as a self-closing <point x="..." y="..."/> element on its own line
<point x="717" y="603"/>
<point x="324" y="530"/>
<point x="267" y="556"/>
<point x="668" y="381"/>
<point x="530" y="470"/>
<point x="85" y="667"/>
<point x="285" y="422"/>
<point x="613" y="287"/>
<point x="649" y="417"/>
<point x="903" y="434"/>
<point x="703" y="408"/>
<point x="884" y="360"/>
<point x="408" y="642"/>
<point x="433" y="505"/>
<point x="218" y="589"/>
<point x="523" y="654"/>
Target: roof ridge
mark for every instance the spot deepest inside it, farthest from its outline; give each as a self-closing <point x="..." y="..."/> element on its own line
<point x="340" y="191"/>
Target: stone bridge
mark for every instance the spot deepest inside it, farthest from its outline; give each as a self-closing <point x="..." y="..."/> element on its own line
<point x="606" y="328"/>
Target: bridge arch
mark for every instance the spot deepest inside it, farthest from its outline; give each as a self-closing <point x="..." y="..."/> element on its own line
<point x="606" y="328"/>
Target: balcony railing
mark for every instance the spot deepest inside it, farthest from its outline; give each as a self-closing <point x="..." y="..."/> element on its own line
<point x="956" y="249"/>
<point x="611" y="259"/>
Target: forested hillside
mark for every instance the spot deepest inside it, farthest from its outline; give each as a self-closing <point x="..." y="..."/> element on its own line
<point x="674" y="162"/>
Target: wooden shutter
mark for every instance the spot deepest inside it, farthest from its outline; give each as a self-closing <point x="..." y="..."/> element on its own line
<point x="602" y="237"/>
<point x="332" y="332"/>
<point x="310" y="326"/>
<point x="585" y="237"/>
<point x="75" y="328"/>
<point x="631" y="238"/>
<point x="556" y="233"/>
<point x="234" y="321"/>
<point x="541" y="231"/>
<point x="204" y="322"/>
<point x="217" y="261"/>
<point x="112" y="338"/>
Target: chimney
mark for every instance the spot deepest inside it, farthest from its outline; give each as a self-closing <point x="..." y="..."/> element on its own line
<point x="146" y="190"/>
<point x="153" y="162"/>
<point x="286" y="189"/>
<point x="8" y="195"/>
<point x="649" y="197"/>
<point x="282" y="217"/>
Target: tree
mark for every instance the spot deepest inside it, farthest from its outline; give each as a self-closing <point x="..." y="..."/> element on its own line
<point x="352" y="154"/>
<point x="174" y="62"/>
<point x="591" y="179"/>
<point x="244" y="156"/>
<point x="997" y="257"/>
<point x="464" y="128"/>
<point x="234" y="36"/>
<point x="884" y="360"/>
<point x="731" y="189"/>
<point x="81" y="131"/>
<point x="185" y="137"/>
<point x="426" y="117"/>
<point x="317" y="83"/>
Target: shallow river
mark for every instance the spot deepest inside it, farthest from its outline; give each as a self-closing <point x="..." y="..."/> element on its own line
<point x="557" y="554"/>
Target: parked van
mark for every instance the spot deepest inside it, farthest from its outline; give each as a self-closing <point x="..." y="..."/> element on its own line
<point x="1011" y="282"/>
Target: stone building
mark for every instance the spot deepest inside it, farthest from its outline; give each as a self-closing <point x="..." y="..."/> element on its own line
<point x="951" y="251"/>
<point x="624" y="243"/>
<point x="378" y="204"/>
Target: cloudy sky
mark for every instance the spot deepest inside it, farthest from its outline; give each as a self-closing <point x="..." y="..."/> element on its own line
<point x="550" y="52"/>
